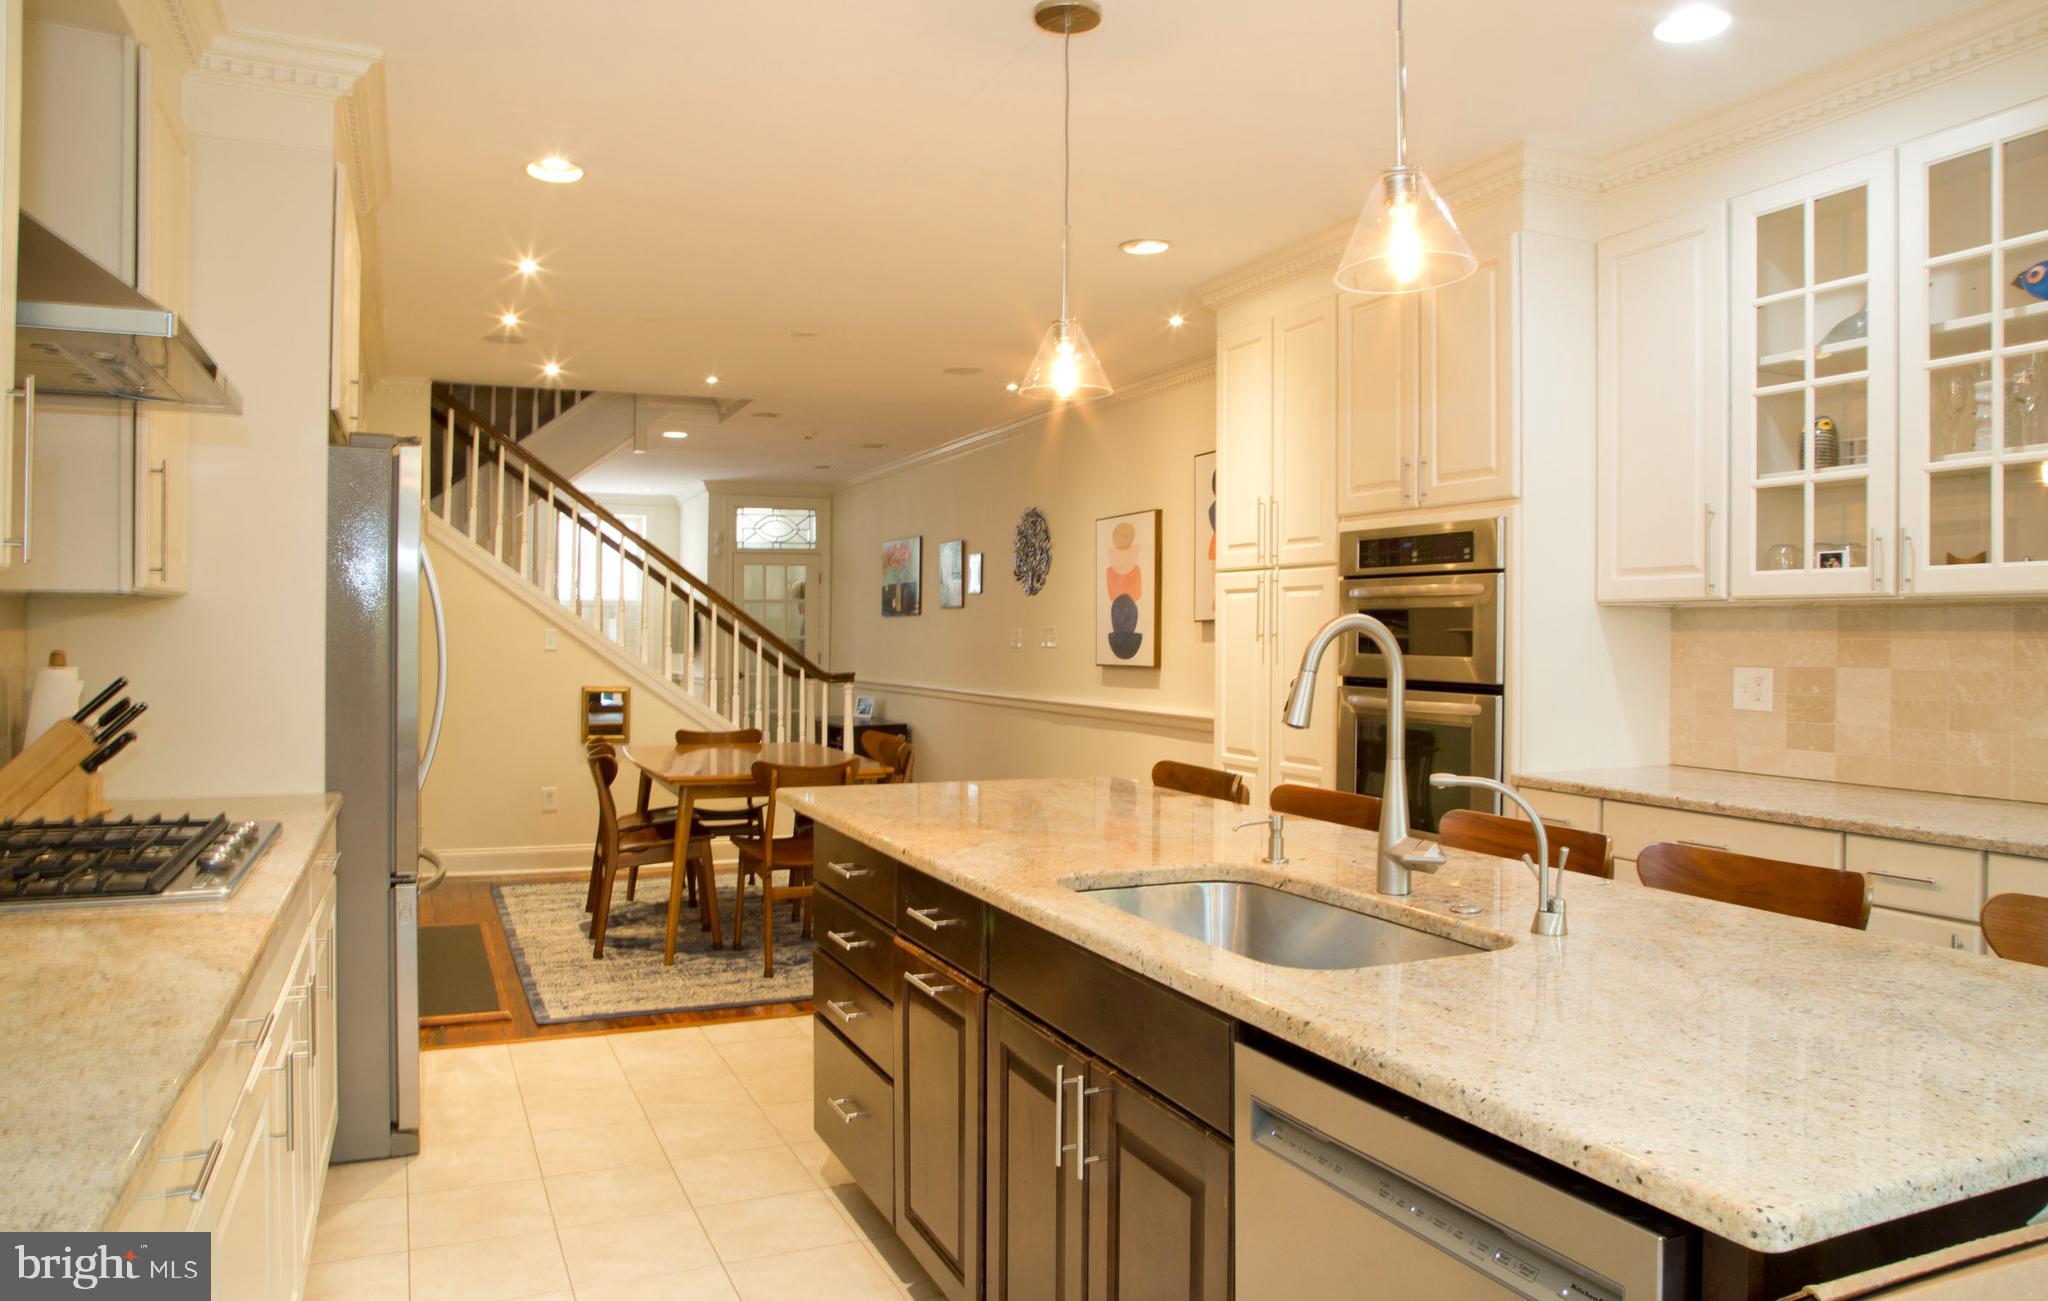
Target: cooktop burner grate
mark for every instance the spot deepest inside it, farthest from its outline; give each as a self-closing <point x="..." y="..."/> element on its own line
<point x="122" y="859"/>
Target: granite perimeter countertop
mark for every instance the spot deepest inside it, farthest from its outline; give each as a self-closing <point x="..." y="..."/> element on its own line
<point x="110" y="1012"/>
<point x="1775" y="1081"/>
<point x="2001" y="826"/>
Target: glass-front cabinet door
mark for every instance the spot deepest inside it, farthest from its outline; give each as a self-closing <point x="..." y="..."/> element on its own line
<point x="1815" y="350"/>
<point x="1973" y="235"/>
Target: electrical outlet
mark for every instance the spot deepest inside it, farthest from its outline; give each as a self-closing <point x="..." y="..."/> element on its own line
<point x="1048" y="637"/>
<point x="1753" y="690"/>
<point x="550" y="801"/>
<point x="1017" y="638"/>
<point x="547" y="639"/>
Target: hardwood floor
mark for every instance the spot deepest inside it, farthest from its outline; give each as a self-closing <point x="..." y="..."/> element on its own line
<point x="468" y="899"/>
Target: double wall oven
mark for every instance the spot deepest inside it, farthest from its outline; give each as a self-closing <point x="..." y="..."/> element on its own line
<point x="1442" y="590"/>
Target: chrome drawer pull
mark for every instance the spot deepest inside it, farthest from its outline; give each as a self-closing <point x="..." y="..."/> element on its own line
<point x="930" y="917"/>
<point x="1901" y="876"/>
<point x="1059" y="1116"/>
<point x="924" y="983"/>
<point x="260" y="1035"/>
<point x="1704" y="844"/>
<point x="839" y="938"/>
<point x="847" y="1111"/>
<point x="1556" y="821"/>
<point x="839" y="1007"/>
<point x="848" y="870"/>
<point x="196" y="1190"/>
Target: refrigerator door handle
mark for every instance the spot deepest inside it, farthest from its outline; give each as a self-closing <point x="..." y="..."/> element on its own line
<point x="405" y="970"/>
<point x="440" y="665"/>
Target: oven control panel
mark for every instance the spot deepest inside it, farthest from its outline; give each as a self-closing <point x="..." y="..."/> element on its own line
<point x="1413" y="551"/>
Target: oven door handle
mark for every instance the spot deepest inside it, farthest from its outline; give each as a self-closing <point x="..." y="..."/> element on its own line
<point x="1395" y="588"/>
<point x="1440" y="711"/>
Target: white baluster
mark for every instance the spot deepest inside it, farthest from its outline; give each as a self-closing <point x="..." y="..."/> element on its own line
<point x="846" y="716"/>
<point x="576" y="560"/>
<point x="475" y="450"/>
<point x="690" y="646"/>
<point x="525" y="516"/>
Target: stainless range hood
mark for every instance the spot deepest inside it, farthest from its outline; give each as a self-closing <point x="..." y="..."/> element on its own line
<point x="84" y="332"/>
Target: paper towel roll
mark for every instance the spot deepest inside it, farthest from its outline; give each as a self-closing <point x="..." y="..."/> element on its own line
<point x="54" y="697"/>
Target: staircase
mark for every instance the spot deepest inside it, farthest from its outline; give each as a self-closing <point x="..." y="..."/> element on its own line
<point x="514" y="411"/>
<point x="538" y="532"/>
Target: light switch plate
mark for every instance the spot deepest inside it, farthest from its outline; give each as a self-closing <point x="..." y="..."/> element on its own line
<point x="1017" y="638"/>
<point x="1048" y="637"/>
<point x="547" y="639"/>
<point x="549" y="801"/>
<point x="1753" y="690"/>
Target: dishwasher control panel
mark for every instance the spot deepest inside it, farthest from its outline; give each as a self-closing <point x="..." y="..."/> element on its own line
<point x="1493" y="1250"/>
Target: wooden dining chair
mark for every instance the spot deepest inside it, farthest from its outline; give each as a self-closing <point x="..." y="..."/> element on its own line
<point x="892" y="752"/>
<point x="1318" y="805"/>
<point x="617" y="849"/>
<point x="723" y="818"/>
<point x="1193" y="779"/>
<point x="1489" y="833"/>
<point x="2016" y="927"/>
<point x="763" y="855"/>
<point x="1820" y="894"/>
<point x="641" y="824"/>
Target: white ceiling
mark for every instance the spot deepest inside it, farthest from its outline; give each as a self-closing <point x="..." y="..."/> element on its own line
<point x="887" y="176"/>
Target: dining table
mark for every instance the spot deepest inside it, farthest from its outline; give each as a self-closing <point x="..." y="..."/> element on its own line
<point x="712" y="772"/>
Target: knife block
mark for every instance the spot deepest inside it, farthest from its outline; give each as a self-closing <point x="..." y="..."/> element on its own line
<point x="44" y="780"/>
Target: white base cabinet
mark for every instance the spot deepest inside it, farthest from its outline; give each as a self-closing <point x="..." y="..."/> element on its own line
<point x="244" y="1157"/>
<point x="1264" y="621"/>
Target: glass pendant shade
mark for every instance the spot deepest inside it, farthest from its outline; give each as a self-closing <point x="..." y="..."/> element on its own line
<point x="1066" y="366"/>
<point x="1405" y="240"/>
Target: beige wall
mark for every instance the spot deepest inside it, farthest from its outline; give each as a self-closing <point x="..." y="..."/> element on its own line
<point x="1940" y="698"/>
<point x="980" y="708"/>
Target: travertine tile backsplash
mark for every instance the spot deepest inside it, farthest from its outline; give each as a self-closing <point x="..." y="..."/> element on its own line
<point x="1947" y="698"/>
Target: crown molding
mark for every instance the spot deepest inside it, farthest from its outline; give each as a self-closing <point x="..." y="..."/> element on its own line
<point x="983" y="440"/>
<point x="197" y="23"/>
<point x="322" y="69"/>
<point x="363" y="133"/>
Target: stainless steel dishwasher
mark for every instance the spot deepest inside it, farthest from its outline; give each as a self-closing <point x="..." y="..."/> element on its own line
<point x="1340" y="1196"/>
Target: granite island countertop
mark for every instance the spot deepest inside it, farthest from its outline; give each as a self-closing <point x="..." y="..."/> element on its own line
<point x="1775" y="1081"/>
<point x="110" y="1012"/>
<point x="2001" y="826"/>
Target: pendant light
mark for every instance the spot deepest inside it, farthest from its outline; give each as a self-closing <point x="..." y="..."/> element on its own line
<point x="1065" y="366"/>
<point x="1405" y="240"/>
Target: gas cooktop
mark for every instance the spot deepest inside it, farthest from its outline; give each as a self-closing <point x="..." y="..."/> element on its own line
<point x="127" y="860"/>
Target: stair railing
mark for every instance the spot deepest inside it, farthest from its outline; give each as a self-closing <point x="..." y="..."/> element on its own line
<point x="573" y="552"/>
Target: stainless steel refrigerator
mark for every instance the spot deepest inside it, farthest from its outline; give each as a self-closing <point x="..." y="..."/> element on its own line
<point x="375" y="558"/>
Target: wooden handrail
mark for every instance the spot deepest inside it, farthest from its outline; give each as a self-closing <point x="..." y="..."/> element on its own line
<point x="714" y="598"/>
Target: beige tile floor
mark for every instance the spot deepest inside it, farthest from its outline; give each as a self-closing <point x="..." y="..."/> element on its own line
<point x="666" y="1163"/>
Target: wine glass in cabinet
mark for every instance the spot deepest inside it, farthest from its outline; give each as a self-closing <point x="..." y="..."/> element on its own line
<point x="1815" y="417"/>
<point x="1973" y="345"/>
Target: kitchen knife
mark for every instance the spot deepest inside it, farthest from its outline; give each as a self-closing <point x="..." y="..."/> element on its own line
<point x="98" y="757"/>
<point x="102" y="698"/>
<point x="113" y="712"/>
<point x="126" y="717"/>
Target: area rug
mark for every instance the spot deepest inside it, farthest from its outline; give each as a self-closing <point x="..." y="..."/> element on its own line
<point x="455" y="976"/>
<point x="549" y="934"/>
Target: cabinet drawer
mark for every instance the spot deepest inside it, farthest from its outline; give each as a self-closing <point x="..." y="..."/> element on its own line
<point x="864" y="876"/>
<point x="1938" y="879"/>
<point x="2010" y="874"/>
<point x="1631" y="826"/>
<point x="855" y="939"/>
<point x="853" y="1109"/>
<point x="1926" y="930"/>
<point x="1580" y="812"/>
<point x="949" y="922"/>
<point x="865" y="1017"/>
<point x="1175" y="1046"/>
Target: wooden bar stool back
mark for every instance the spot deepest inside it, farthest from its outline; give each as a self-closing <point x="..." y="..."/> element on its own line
<point x="891" y="751"/>
<point x="1193" y="779"/>
<point x="1319" y="805"/>
<point x="1819" y="894"/>
<point x="616" y="848"/>
<point x="1489" y="833"/>
<point x="2016" y="927"/>
<point x="762" y="855"/>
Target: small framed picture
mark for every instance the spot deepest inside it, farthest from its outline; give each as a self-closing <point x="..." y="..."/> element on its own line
<point x="974" y="573"/>
<point x="1831" y="558"/>
<point x="864" y="708"/>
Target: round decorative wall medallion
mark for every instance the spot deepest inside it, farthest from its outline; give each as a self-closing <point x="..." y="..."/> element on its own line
<point x="1033" y="551"/>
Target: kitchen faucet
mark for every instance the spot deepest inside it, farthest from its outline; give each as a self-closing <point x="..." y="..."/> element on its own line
<point x="1399" y="852"/>
<point x="1549" y="899"/>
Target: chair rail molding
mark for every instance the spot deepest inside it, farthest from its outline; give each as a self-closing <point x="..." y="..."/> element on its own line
<point x="1197" y="724"/>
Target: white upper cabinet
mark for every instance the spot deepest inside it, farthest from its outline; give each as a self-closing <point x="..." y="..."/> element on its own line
<point x="345" y="360"/>
<point x="1376" y="404"/>
<point x="1663" y="410"/>
<point x="1244" y="442"/>
<point x="1973" y="452"/>
<point x="1813" y="456"/>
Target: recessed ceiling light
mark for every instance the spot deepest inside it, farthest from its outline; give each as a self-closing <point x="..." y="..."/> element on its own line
<point x="1012" y="386"/>
<point x="639" y="451"/>
<point x="1176" y="320"/>
<point x="551" y="369"/>
<point x="1144" y="247"/>
<point x="1689" y="23"/>
<point x="675" y="433"/>
<point x="510" y="320"/>
<point x="529" y="266"/>
<point x="961" y="370"/>
<point x="555" y="170"/>
<point x="711" y="379"/>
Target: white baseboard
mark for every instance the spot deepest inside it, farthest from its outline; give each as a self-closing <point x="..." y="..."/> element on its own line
<point x="535" y="860"/>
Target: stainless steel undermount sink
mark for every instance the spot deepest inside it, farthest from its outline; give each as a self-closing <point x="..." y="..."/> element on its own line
<point x="1287" y="930"/>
